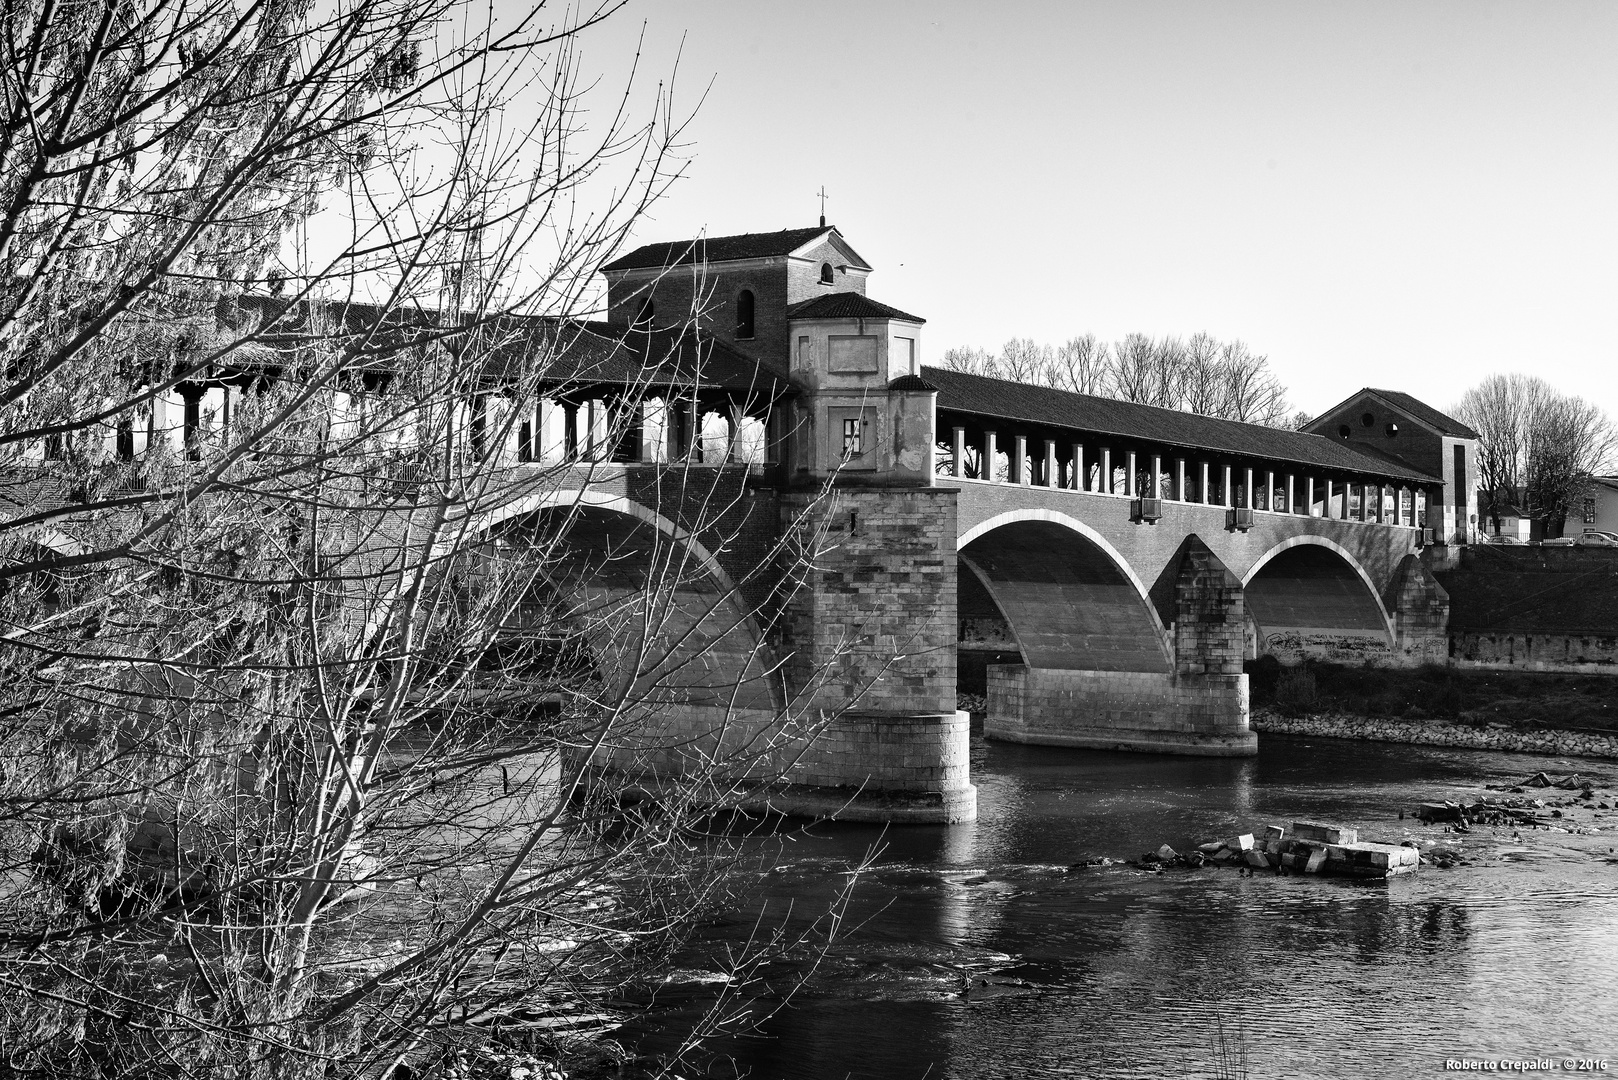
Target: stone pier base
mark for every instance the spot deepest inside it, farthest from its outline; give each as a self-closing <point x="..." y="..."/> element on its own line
<point x="1149" y="712"/>
<point x="856" y="766"/>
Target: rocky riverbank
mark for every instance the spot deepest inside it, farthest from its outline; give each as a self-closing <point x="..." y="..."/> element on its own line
<point x="1490" y="736"/>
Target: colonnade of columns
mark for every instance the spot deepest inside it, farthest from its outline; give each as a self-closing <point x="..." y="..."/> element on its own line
<point x="1132" y="474"/>
<point x="707" y="430"/>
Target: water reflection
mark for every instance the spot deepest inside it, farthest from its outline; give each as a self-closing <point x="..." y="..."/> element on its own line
<point x="979" y="955"/>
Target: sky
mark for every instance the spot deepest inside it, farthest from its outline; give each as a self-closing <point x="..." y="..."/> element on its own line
<point x="1402" y="195"/>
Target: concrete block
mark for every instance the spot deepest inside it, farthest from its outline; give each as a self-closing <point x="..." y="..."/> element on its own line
<point x="1326" y="834"/>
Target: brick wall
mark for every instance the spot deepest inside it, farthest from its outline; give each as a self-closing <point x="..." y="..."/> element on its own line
<point x="682" y="293"/>
<point x="1495" y="650"/>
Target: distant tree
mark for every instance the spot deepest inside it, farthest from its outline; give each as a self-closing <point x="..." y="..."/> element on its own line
<point x="1253" y="393"/>
<point x="1079" y="365"/>
<point x="1300" y="420"/>
<point x="969" y="361"/>
<point x="1536" y="441"/>
<point x="1200" y="375"/>
<point x="1497" y="409"/>
<point x="1025" y="360"/>
<point x="1143" y="371"/>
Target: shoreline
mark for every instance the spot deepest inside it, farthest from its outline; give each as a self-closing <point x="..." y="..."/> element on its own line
<point x="1562" y="742"/>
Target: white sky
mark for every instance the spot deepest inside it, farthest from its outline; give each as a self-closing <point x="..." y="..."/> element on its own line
<point x="1407" y="195"/>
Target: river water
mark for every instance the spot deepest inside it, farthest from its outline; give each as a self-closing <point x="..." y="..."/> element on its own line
<point x="972" y="950"/>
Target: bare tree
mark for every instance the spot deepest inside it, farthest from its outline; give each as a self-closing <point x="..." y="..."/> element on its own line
<point x="1535" y="445"/>
<point x="1139" y="371"/>
<point x="1253" y="393"/>
<point x="1497" y="409"/>
<point x="970" y="361"/>
<point x="286" y="618"/>
<point x="1079" y="365"/>
<point x="1200" y="375"/>
<point x="1023" y="360"/>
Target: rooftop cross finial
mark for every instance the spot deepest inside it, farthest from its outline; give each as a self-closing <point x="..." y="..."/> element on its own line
<point x="822" y="206"/>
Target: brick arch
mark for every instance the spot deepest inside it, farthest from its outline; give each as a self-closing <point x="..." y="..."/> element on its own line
<point x="1310" y="585"/>
<point x="567" y="498"/>
<point x="648" y="588"/>
<point x="1071" y="599"/>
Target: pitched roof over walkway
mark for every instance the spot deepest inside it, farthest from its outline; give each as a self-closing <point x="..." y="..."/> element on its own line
<point x="1000" y="398"/>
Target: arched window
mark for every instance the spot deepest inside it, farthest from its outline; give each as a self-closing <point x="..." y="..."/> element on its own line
<point x="744" y="314"/>
<point x="643" y="316"/>
<point x="826" y="275"/>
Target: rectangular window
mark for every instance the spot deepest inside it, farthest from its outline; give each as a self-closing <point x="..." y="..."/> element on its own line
<point x="803" y="352"/>
<point x="1589" y="511"/>
<point x="851" y="438"/>
<point x="906" y="360"/>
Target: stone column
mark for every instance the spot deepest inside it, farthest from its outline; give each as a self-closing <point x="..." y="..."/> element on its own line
<point x="1251" y="502"/>
<point x="1229" y="495"/>
<point x="989" y="467"/>
<point x="1309" y="496"/>
<point x="1052" y="472"/>
<point x="1130" y="480"/>
<point x="1292" y="502"/>
<point x="1106" y="471"/>
<point x="1157" y="478"/>
<point x="570" y="431"/>
<point x="1202" y="492"/>
<point x="958" y="450"/>
<point x="1179" y="480"/>
<point x="1079" y="481"/>
<point x="1019" y="460"/>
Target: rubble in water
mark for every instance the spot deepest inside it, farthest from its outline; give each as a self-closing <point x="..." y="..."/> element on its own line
<point x="1319" y="848"/>
<point x="1313" y="848"/>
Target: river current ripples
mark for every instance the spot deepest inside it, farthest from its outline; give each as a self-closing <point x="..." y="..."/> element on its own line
<point x="973" y="951"/>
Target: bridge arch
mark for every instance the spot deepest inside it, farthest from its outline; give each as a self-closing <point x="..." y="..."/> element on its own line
<point x="1310" y="596"/>
<point x="659" y="608"/>
<point x="1072" y="601"/>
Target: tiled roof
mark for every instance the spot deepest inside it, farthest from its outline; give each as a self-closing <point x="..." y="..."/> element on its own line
<point x="718" y="249"/>
<point x="983" y="396"/>
<point x="562" y="351"/>
<point x="847" y="305"/>
<point x="1424" y="412"/>
<point x="595" y="353"/>
<point x="912" y="384"/>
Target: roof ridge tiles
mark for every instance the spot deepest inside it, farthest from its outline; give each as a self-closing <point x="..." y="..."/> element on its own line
<point x="751" y="245"/>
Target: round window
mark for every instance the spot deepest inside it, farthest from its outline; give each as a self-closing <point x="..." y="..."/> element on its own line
<point x="1368" y="420"/>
